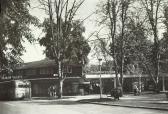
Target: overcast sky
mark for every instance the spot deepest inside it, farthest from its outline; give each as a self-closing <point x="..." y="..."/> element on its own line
<point x="34" y="52"/>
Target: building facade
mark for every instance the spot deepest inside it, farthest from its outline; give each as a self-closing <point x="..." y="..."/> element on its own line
<point x="44" y="75"/>
<point x="144" y="82"/>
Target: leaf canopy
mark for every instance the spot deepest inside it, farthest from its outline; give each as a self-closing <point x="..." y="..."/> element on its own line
<point x="74" y="48"/>
<point x="15" y="24"/>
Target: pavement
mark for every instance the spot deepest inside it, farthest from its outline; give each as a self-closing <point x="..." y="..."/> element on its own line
<point x="145" y="100"/>
<point x="67" y="105"/>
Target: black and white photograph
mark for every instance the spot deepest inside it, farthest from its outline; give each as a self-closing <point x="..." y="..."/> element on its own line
<point x="83" y="56"/>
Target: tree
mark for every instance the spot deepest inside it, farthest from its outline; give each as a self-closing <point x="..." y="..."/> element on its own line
<point x="154" y="13"/>
<point x="62" y="32"/>
<point x="112" y="12"/>
<point x="124" y="16"/>
<point x="77" y="48"/>
<point x="15" y="20"/>
<point x="126" y="34"/>
<point x="164" y="44"/>
<point x="114" y="15"/>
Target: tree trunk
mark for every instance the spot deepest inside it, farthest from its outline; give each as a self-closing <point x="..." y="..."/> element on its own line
<point x="157" y="72"/>
<point x="113" y="18"/>
<point x="121" y="74"/>
<point x="122" y="57"/>
<point x="123" y="20"/>
<point x="156" y="58"/>
<point x="121" y="71"/>
<point x="60" y="75"/>
<point x="60" y="88"/>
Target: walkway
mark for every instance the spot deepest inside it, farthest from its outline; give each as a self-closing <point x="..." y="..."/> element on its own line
<point x="149" y="101"/>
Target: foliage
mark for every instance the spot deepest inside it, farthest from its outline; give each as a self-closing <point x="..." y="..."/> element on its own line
<point x="15" y="21"/>
<point x="164" y="44"/>
<point x="63" y="34"/>
<point x="154" y="14"/>
<point x="115" y="16"/>
<point x="135" y="35"/>
<point x="76" y="48"/>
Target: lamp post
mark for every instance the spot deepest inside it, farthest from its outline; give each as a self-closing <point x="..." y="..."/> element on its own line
<point x="100" y="78"/>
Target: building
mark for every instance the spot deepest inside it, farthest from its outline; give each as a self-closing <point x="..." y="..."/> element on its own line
<point x="144" y="81"/>
<point x="44" y="74"/>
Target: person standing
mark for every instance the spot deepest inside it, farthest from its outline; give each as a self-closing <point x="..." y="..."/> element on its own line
<point x="135" y="89"/>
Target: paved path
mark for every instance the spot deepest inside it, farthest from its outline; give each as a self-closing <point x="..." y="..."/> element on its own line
<point x="67" y="106"/>
<point x="150" y="101"/>
<point x="72" y="104"/>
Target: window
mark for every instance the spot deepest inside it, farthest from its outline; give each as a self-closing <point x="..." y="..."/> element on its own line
<point x="19" y="72"/>
<point x="46" y="71"/>
<point x="31" y="72"/>
<point x="68" y="69"/>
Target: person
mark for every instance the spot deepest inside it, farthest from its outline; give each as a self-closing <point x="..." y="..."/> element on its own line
<point x="117" y="93"/>
<point x="54" y="90"/>
<point x="50" y="91"/>
<point x="90" y="89"/>
<point x="135" y="89"/>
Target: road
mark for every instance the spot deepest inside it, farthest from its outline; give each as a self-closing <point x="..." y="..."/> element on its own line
<point x="66" y="107"/>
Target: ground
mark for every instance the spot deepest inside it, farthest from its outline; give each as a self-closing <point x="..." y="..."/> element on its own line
<point x="67" y="107"/>
<point x="78" y="105"/>
<point x="145" y="100"/>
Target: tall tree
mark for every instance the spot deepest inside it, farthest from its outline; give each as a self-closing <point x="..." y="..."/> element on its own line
<point x="164" y="44"/>
<point x="124" y="16"/>
<point x="114" y="15"/>
<point x="77" y="48"/>
<point x="112" y="12"/>
<point x="15" y="21"/>
<point x="61" y="15"/>
<point x="154" y="11"/>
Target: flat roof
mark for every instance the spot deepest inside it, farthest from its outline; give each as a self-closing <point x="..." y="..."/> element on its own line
<point x="95" y="76"/>
<point x="98" y="76"/>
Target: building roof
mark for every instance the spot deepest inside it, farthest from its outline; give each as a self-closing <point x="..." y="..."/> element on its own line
<point x="96" y="76"/>
<point x="37" y="64"/>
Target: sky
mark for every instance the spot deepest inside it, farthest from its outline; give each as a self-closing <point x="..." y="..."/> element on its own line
<point x="34" y="52"/>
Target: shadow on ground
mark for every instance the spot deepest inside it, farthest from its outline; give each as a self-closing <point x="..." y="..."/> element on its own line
<point x="68" y="102"/>
<point x="53" y="101"/>
<point x="97" y="100"/>
<point x="61" y="102"/>
<point x="125" y="100"/>
<point x="51" y="98"/>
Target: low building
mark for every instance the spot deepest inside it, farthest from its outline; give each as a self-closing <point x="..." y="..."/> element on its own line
<point x="44" y="74"/>
<point x="144" y="81"/>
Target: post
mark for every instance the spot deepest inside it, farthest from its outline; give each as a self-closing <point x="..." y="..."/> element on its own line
<point x="163" y="83"/>
<point x="30" y="91"/>
<point x="115" y="82"/>
<point x="140" y="84"/>
<point x="100" y="78"/>
<point x="139" y="73"/>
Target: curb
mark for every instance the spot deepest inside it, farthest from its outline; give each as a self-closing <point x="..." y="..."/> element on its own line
<point x="120" y="105"/>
